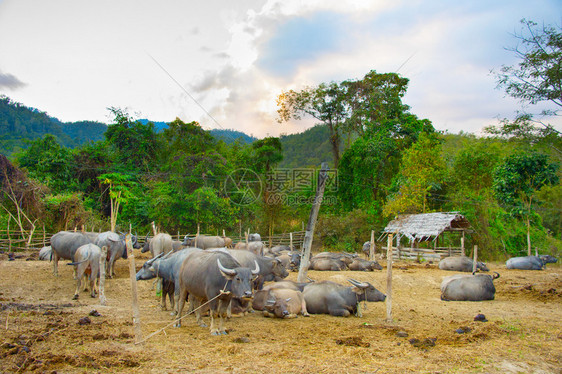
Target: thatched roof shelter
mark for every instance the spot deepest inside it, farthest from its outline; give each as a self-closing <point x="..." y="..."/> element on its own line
<point x="421" y="227"/>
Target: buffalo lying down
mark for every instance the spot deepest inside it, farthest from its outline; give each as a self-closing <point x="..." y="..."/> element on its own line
<point x="460" y="263"/>
<point x="337" y="300"/>
<point x="464" y="287"/>
<point x="529" y="262"/>
<point x="284" y="303"/>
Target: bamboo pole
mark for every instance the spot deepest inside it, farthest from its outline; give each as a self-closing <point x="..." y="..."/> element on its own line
<point x="9" y="237"/>
<point x="103" y="300"/>
<point x="462" y="245"/>
<point x="372" y="246"/>
<point x="307" y="245"/>
<point x="389" y="279"/>
<point x="291" y="241"/>
<point x="475" y="260"/>
<point x="135" y="302"/>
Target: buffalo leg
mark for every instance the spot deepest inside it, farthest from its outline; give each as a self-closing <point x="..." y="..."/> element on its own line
<point x="339" y="312"/>
<point x="55" y="263"/>
<point x="183" y="295"/>
<point x="78" y="285"/>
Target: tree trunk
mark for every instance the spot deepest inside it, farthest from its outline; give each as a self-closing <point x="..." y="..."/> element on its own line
<point x="335" y="142"/>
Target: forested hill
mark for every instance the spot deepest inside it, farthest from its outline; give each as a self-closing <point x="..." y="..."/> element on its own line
<point x="307" y="149"/>
<point x="19" y="123"/>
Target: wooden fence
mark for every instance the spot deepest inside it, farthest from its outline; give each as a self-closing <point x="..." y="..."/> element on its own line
<point x="14" y="240"/>
<point x="433" y="254"/>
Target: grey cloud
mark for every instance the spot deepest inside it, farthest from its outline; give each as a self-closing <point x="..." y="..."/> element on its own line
<point x="10" y="81"/>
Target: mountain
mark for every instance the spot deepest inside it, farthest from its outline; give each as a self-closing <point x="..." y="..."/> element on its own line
<point x="307" y="149"/>
<point x="230" y="136"/>
<point x="19" y="124"/>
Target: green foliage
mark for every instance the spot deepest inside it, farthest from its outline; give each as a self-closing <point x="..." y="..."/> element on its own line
<point x="49" y="163"/>
<point x="519" y="177"/>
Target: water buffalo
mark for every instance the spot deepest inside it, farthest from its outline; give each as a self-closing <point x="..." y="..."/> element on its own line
<point x="284" y="303"/>
<point x="460" y="263"/>
<point x="271" y="269"/>
<point x="205" y="242"/>
<point x="366" y="249"/>
<point x="116" y="248"/>
<point x="360" y="264"/>
<point x="337" y="300"/>
<point x="288" y="284"/>
<point x="86" y="261"/>
<point x="256" y="247"/>
<point x="64" y="245"/>
<point x="254" y="237"/>
<point x="468" y="287"/>
<point x="327" y="264"/>
<point x="168" y="269"/>
<point x="161" y="243"/>
<point x="529" y="262"/>
<point x="45" y="253"/>
<point x="215" y="277"/>
<point x="177" y="245"/>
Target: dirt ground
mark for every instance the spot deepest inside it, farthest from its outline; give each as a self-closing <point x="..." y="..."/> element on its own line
<point x="43" y="330"/>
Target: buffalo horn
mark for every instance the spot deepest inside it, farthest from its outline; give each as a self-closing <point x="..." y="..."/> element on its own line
<point x="256" y="271"/>
<point x="225" y="270"/>
<point x="358" y="284"/>
<point x="496" y="275"/>
<point x="149" y="262"/>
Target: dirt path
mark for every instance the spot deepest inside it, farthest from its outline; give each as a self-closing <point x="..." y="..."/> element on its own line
<point x="40" y="330"/>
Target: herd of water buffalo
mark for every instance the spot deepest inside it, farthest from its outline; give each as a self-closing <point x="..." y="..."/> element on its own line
<point x="214" y="275"/>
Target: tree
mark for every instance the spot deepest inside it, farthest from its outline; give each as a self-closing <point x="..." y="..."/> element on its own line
<point x="537" y="78"/>
<point x="518" y="178"/>
<point x="134" y="144"/>
<point x="324" y="103"/>
<point x="49" y="163"/>
<point x="119" y="186"/>
<point x="422" y="170"/>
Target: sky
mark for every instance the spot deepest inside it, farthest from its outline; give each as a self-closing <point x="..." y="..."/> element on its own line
<point x="223" y="63"/>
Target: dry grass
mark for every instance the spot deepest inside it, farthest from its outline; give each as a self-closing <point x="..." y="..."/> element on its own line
<point x="39" y="330"/>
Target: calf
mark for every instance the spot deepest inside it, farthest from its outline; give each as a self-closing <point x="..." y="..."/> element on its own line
<point x="284" y="303"/>
<point x="86" y="261"/>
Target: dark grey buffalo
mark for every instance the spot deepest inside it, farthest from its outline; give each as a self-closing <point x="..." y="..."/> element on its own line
<point x="529" y="262"/>
<point x="460" y="263"/>
<point x="116" y="248"/>
<point x="168" y="269"/>
<point x="161" y="243"/>
<point x="366" y="249"/>
<point x="337" y="300"/>
<point x="360" y="264"/>
<point x="214" y="277"/>
<point x="204" y="241"/>
<point x="271" y="269"/>
<point x="468" y="287"/>
<point x="64" y="245"/>
<point x="87" y="265"/>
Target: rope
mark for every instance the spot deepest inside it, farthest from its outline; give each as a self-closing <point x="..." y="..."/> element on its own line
<point x="222" y="292"/>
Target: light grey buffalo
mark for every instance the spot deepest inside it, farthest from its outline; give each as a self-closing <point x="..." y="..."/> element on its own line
<point x="529" y="262"/>
<point x="256" y="247"/>
<point x="337" y="300"/>
<point x="468" y="287"/>
<point x="87" y="263"/>
<point x="360" y="264"/>
<point x="65" y="243"/>
<point x="460" y="263"/>
<point x="205" y="241"/>
<point x="216" y="277"/>
<point x="161" y="243"/>
<point x="284" y="303"/>
<point x="168" y="269"/>
<point x="45" y="253"/>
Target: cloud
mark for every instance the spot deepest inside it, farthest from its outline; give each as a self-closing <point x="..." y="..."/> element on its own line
<point x="10" y="81"/>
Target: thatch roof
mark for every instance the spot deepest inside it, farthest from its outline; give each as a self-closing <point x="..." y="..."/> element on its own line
<point x="425" y="226"/>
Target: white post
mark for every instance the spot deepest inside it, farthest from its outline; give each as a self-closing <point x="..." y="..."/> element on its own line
<point x="389" y="279"/>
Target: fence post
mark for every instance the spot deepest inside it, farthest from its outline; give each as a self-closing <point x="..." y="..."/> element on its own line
<point x="9" y="238"/>
<point x="135" y="301"/>
<point x="389" y="279"/>
<point x="475" y="260"/>
<point x="372" y="246"/>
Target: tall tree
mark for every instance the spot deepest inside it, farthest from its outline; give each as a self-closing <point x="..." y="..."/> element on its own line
<point x="324" y="103"/>
<point x="537" y="78"/>
<point x="516" y="181"/>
